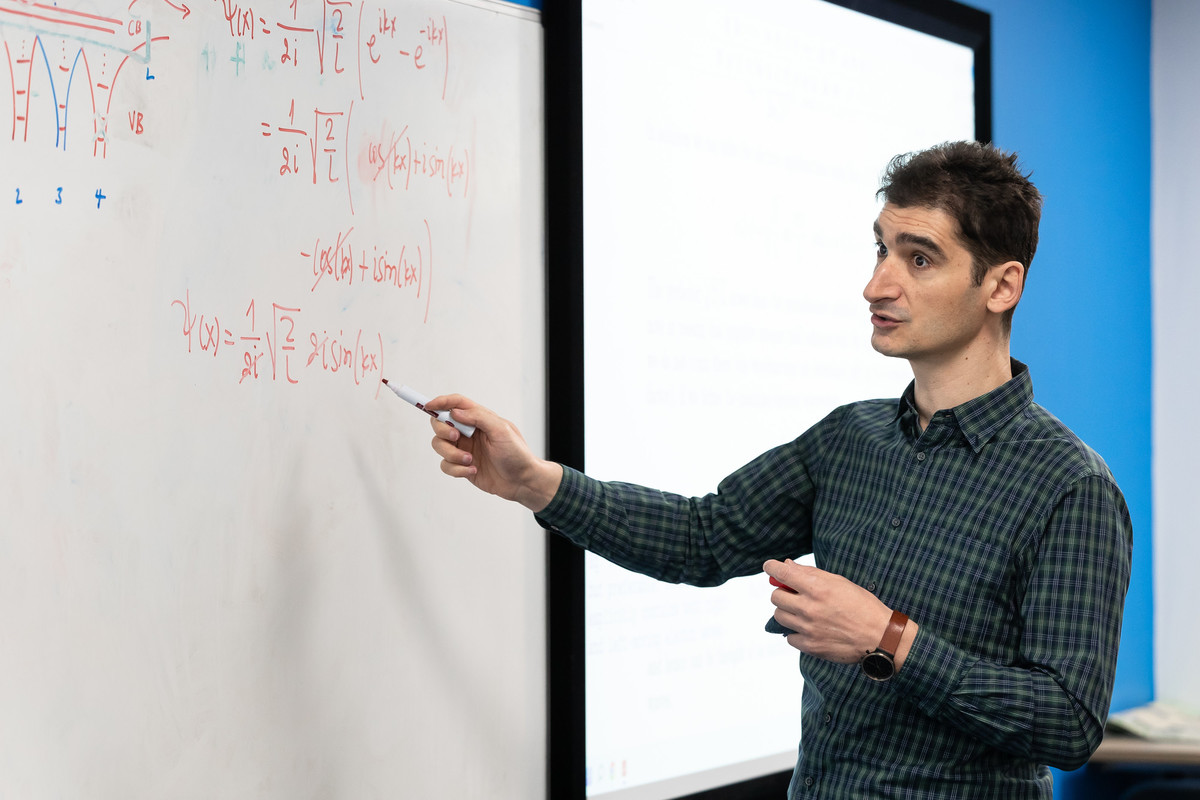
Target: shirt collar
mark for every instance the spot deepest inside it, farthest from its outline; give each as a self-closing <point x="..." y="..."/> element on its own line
<point x="979" y="419"/>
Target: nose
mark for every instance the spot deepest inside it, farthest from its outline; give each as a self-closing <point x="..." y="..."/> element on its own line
<point x="882" y="286"/>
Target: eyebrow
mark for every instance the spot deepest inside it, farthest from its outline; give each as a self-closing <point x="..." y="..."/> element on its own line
<point x="923" y="242"/>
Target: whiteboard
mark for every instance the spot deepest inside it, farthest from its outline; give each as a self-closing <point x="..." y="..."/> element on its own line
<point x="229" y="566"/>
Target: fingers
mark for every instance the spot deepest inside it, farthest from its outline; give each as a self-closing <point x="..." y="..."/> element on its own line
<point x="445" y="444"/>
<point x="784" y="597"/>
<point x="458" y="470"/>
<point x="789" y="573"/>
<point x="455" y="462"/>
<point x="774" y="568"/>
<point x="798" y="596"/>
<point x="444" y="430"/>
<point x="453" y="447"/>
<point x="447" y="401"/>
<point x="834" y="618"/>
<point x="495" y="459"/>
<point x="466" y="411"/>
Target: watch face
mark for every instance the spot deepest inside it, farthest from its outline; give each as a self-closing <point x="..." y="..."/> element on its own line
<point x="878" y="666"/>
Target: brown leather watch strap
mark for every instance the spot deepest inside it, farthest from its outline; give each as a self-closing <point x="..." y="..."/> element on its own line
<point x="891" y="637"/>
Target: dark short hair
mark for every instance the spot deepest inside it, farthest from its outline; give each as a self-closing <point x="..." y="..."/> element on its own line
<point x="996" y="206"/>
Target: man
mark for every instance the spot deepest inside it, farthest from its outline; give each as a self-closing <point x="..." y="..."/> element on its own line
<point x="959" y="632"/>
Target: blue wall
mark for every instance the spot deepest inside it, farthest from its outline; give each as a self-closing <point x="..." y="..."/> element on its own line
<point x="1071" y="83"/>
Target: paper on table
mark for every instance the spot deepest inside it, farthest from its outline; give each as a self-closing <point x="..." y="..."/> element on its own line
<point x="1157" y="720"/>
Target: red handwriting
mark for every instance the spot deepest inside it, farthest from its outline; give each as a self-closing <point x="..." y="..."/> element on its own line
<point x="337" y="38"/>
<point x="323" y="137"/>
<point x="332" y="355"/>
<point x="241" y="19"/>
<point x="436" y="35"/>
<point x="394" y="157"/>
<point x="212" y="337"/>
<point x="264" y="348"/>
<point x="408" y="268"/>
<point x="429" y="45"/>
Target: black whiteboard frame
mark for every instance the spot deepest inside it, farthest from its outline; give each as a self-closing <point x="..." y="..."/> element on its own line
<point x="563" y="87"/>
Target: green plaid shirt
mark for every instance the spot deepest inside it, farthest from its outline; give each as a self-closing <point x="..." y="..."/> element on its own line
<point x="996" y="529"/>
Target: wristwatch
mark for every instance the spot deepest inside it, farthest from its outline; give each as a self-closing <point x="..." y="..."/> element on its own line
<point x="880" y="664"/>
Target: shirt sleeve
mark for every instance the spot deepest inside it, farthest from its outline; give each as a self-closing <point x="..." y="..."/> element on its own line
<point x="1051" y="706"/>
<point x="760" y="511"/>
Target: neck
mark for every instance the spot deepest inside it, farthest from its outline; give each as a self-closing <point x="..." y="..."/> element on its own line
<point x="952" y="382"/>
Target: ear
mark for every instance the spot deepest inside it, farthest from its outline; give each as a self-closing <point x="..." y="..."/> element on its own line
<point x="1007" y="281"/>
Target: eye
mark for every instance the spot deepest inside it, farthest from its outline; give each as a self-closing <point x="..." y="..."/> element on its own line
<point x="881" y="250"/>
<point x="920" y="261"/>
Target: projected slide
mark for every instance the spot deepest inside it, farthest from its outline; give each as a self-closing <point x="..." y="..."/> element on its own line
<point x="731" y="157"/>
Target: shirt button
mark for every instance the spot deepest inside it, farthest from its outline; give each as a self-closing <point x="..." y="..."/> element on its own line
<point x="828" y="718"/>
<point x="871" y="586"/>
<point x="895" y="522"/>
<point x="920" y="456"/>
<point x="809" y="781"/>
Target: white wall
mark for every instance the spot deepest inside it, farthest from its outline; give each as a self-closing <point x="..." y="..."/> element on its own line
<point x="1176" y="287"/>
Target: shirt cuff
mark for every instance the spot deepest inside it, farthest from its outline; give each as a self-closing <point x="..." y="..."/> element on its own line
<point x="933" y="671"/>
<point x="566" y="514"/>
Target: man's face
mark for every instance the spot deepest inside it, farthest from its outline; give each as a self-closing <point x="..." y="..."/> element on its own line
<point x="924" y="305"/>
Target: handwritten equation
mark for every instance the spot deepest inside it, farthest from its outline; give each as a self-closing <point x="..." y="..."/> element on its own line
<point x="277" y="338"/>
<point x="337" y="260"/>
<point x="314" y="150"/>
<point x="395" y="159"/>
<point x="345" y="36"/>
<point x="120" y="78"/>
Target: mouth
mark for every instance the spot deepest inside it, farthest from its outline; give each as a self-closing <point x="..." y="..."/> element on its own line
<point x="882" y="320"/>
